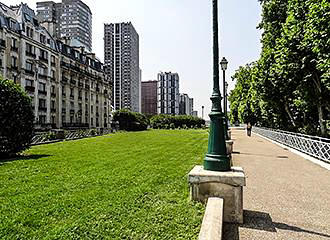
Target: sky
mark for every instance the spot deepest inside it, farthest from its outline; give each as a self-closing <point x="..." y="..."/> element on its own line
<point x="176" y="36"/>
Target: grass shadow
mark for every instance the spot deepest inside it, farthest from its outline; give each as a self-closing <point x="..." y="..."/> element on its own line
<point x="263" y="222"/>
<point x="23" y="158"/>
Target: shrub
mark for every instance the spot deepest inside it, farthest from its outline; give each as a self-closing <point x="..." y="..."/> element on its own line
<point x="16" y="119"/>
<point x="131" y="121"/>
<point x="182" y="121"/>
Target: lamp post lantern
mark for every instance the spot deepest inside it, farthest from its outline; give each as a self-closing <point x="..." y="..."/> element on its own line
<point x="216" y="158"/>
<point x="202" y="112"/>
<point x="224" y="65"/>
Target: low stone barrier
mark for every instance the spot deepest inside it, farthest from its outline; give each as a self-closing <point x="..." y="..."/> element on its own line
<point x="213" y="220"/>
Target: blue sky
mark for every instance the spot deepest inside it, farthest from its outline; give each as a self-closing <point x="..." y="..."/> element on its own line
<point x="176" y="35"/>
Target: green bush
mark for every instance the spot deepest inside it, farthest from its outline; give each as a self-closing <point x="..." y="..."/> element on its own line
<point x="16" y="119"/>
<point x="131" y="121"/>
<point x="170" y="121"/>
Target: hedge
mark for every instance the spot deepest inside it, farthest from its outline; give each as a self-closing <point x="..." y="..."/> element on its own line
<point x="180" y="121"/>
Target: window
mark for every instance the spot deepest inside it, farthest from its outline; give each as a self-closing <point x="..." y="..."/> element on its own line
<point x="52" y="73"/>
<point x="42" y="38"/>
<point x="29" y="83"/>
<point x="42" y="87"/>
<point x="52" y="104"/>
<point x="53" y="60"/>
<point x="14" y="43"/>
<point x="29" y="66"/>
<point x="14" y="62"/>
<point x="42" y="119"/>
<point x="43" y="55"/>
<point x="30" y="49"/>
<point x="63" y="90"/>
<point x="43" y="70"/>
<point x="42" y="103"/>
<point x="71" y="92"/>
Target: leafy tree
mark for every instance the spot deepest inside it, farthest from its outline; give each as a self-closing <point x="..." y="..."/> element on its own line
<point x="131" y="121"/>
<point x="16" y="119"/>
<point x="289" y="86"/>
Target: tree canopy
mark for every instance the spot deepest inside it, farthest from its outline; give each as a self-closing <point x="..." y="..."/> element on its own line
<point x="289" y="86"/>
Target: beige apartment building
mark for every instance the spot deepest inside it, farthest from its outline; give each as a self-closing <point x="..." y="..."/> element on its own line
<point x="68" y="86"/>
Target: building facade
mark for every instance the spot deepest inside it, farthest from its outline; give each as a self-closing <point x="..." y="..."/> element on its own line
<point x="67" y="85"/>
<point x="70" y="19"/>
<point x="186" y="106"/>
<point x="149" y="97"/>
<point x="121" y="60"/>
<point x="168" y="96"/>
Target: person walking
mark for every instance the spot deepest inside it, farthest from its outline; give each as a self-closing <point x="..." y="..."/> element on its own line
<point x="249" y="129"/>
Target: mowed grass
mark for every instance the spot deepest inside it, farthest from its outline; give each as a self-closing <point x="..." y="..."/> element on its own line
<point x="119" y="186"/>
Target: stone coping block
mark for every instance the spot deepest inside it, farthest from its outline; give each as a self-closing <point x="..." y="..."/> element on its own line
<point x="236" y="177"/>
<point x="227" y="185"/>
<point x="213" y="220"/>
<point x="229" y="146"/>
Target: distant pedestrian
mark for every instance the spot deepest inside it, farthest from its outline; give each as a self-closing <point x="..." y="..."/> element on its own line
<point x="249" y="129"/>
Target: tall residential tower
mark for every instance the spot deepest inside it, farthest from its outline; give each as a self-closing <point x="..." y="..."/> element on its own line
<point x="70" y="19"/>
<point x="168" y="93"/>
<point x="121" y="58"/>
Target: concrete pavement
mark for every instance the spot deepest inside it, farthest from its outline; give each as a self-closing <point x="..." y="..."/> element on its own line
<point x="286" y="197"/>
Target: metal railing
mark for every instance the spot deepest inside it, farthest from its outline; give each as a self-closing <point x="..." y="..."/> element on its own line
<point x="317" y="147"/>
<point x="52" y="137"/>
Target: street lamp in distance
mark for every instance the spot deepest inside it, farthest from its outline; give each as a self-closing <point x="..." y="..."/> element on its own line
<point x="224" y="65"/>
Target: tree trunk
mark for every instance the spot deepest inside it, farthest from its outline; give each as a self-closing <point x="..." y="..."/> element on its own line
<point x="286" y="106"/>
<point x="319" y="104"/>
<point x="321" y="120"/>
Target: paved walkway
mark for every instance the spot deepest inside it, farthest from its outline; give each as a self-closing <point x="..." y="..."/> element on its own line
<point x="286" y="197"/>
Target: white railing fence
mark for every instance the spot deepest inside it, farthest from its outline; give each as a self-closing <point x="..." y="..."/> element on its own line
<point x="314" y="146"/>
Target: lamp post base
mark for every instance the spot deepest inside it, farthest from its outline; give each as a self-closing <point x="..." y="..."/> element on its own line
<point x="217" y="162"/>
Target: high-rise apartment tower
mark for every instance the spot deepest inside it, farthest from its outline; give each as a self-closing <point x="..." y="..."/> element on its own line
<point x="121" y="57"/>
<point x="168" y="93"/>
<point x="70" y="19"/>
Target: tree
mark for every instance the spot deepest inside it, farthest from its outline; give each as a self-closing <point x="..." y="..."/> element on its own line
<point x="16" y="119"/>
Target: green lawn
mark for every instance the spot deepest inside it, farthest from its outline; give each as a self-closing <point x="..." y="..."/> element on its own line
<point x="119" y="186"/>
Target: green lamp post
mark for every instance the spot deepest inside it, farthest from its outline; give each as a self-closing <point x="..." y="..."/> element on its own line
<point x="216" y="158"/>
<point x="224" y="65"/>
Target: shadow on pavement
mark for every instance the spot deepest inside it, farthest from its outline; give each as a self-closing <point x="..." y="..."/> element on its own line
<point x="263" y="222"/>
<point x="21" y="158"/>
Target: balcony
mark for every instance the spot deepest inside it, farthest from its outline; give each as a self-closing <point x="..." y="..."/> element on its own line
<point x="80" y="98"/>
<point x="29" y="88"/>
<point x="80" y="84"/>
<point x="87" y="86"/>
<point x="30" y="54"/>
<point x="29" y="72"/>
<point x="42" y="109"/>
<point x="86" y="113"/>
<point x="63" y="111"/>
<point x="42" y="92"/>
<point x="53" y="110"/>
<point x="53" y="95"/>
<point x="72" y="97"/>
<point x="64" y="95"/>
<point x="75" y="125"/>
<point x="73" y="82"/>
<point x="72" y="112"/>
<point x="64" y="80"/>
<point x="53" y="64"/>
<point x="42" y="76"/>
<point x="86" y="99"/>
<point x="43" y="59"/>
<point x="97" y="89"/>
